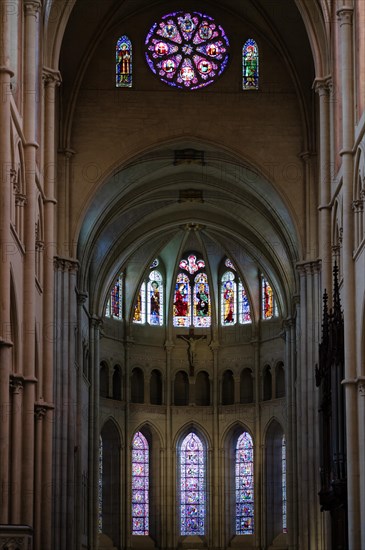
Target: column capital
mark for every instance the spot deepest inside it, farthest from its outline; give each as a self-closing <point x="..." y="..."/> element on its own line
<point x="306" y="156"/>
<point x="310" y="267"/>
<point x="96" y="321"/>
<point x="16" y="383"/>
<point x="322" y="85"/>
<point x="32" y="7"/>
<point x="67" y="152"/>
<point x="169" y="346"/>
<point x="4" y="69"/>
<point x="51" y="77"/>
<point x="344" y="15"/>
<point x="66" y="264"/>
<point x="214" y="345"/>
<point x="81" y="296"/>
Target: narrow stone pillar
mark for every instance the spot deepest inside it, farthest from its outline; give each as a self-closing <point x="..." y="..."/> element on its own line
<point x="95" y="425"/>
<point x="168" y="514"/>
<point x="16" y="385"/>
<point x="345" y="17"/>
<point x="291" y="433"/>
<point x="307" y="407"/>
<point x="258" y="450"/>
<point x="32" y="10"/>
<point x="216" y="530"/>
<point x="322" y="87"/>
<point x="51" y="79"/>
<point x="5" y="239"/>
<point x="39" y="413"/>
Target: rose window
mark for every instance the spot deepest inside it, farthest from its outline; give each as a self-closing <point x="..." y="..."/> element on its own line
<point x="187" y="50"/>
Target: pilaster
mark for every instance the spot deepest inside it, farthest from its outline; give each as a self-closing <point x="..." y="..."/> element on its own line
<point x="322" y="87"/>
<point x="346" y="33"/>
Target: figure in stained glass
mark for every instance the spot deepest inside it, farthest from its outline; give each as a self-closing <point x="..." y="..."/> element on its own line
<point x="155" y="294"/>
<point x="187" y="50"/>
<point x="192" y="486"/>
<point x="201" y="301"/>
<point x="182" y="301"/>
<point x="140" y="485"/>
<point x="244" y="485"/>
<point x="267" y="300"/>
<point x="245" y="312"/>
<point x="124" y="63"/>
<point x="228" y="298"/>
<point x="250" y="65"/>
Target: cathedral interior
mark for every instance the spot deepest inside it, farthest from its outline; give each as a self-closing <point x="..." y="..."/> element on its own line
<point x="182" y="275"/>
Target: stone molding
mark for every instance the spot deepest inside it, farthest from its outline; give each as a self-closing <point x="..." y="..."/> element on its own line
<point x="65" y="264"/>
<point x="309" y="268"/>
<point x="32" y="7"/>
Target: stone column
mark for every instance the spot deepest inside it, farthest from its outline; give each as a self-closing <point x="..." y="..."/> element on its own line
<point x="51" y="79"/>
<point x="32" y="10"/>
<point x="168" y="511"/>
<point x="322" y="87"/>
<point x="307" y="407"/>
<point x="217" y="519"/>
<point x="5" y="239"/>
<point x="16" y="385"/>
<point x="64" y="399"/>
<point x="291" y="433"/>
<point x="258" y="448"/>
<point x="39" y="413"/>
<point x="94" y="425"/>
<point x="345" y="17"/>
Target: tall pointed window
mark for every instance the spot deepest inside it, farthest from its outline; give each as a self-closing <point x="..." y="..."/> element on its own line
<point x="114" y="305"/>
<point x="192" y="466"/>
<point x="192" y="304"/>
<point x="123" y="55"/>
<point x="234" y="302"/>
<point x="149" y="303"/>
<point x="250" y="65"/>
<point x="244" y="485"/>
<point x="140" y="485"/>
<point x="269" y="306"/>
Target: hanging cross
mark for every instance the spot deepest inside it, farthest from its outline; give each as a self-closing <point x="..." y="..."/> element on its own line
<point x="191" y="339"/>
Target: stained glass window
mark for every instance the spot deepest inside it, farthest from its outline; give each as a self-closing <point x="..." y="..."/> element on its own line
<point x="201" y="301"/>
<point x="269" y="307"/>
<point x="228" y="299"/>
<point x="234" y="301"/>
<point x="114" y="305"/>
<point x="244" y="485"/>
<point x="100" y="487"/>
<point x="250" y="65"/>
<point x="244" y="305"/>
<point x="140" y="485"/>
<point x="192" y="486"/>
<point x="123" y="56"/>
<point x="187" y="50"/>
<point x="229" y="264"/>
<point x="155" y="299"/>
<point x="283" y="481"/>
<point x="139" y="313"/>
<point x="191" y="264"/>
<point x="182" y="301"/>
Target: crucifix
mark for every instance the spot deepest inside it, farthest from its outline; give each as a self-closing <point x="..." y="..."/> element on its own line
<point x="191" y="339"/>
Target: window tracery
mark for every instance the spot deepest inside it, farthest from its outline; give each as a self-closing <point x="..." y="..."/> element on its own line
<point x="192" y="467"/>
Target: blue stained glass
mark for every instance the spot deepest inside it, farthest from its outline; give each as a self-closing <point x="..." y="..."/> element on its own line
<point x="250" y="65"/>
<point x="192" y="486"/>
<point x="244" y="485"/>
<point x="201" y="301"/>
<point x="114" y="305"/>
<point x="228" y="299"/>
<point x="140" y="485"/>
<point x="244" y="305"/>
<point x="123" y="55"/>
<point x="182" y="301"/>
<point x="187" y="50"/>
<point x="269" y="307"/>
<point x="155" y="299"/>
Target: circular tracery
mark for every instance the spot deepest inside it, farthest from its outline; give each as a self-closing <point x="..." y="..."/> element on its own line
<point x="187" y="50"/>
